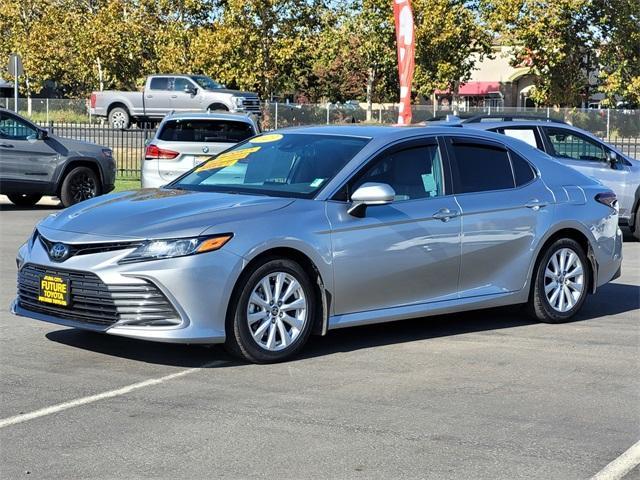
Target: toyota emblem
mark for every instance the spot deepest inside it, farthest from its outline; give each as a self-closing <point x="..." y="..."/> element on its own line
<point x="59" y="252"/>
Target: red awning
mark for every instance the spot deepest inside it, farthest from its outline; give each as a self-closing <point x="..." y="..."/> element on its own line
<point x="475" y="88"/>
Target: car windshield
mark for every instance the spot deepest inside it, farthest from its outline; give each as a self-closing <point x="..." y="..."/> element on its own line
<point x="206" y="83"/>
<point x="277" y="164"/>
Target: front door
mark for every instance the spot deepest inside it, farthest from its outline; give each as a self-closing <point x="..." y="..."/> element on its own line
<point x="24" y="158"/>
<point x="182" y="101"/>
<point x="404" y="253"/>
<point x="590" y="158"/>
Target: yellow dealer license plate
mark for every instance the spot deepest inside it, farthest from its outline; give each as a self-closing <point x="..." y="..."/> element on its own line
<point x="54" y="290"/>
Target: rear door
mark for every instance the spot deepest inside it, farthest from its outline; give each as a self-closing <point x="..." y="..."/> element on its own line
<point x="24" y="158"/>
<point x="505" y="209"/>
<point x="197" y="140"/>
<point x="404" y="253"/>
<point x="157" y="97"/>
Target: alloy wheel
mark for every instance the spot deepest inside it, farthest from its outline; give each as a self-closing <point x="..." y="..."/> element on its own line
<point x="82" y="187"/>
<point x="564" y="280"/>
<point x="277" y="311"/>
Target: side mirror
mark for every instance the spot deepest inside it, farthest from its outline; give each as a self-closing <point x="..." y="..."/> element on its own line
<point x="43" y="134"/>
<point x="370" y="194"/>
<point x="612" y="158"/>
<point x="190" y="90"/>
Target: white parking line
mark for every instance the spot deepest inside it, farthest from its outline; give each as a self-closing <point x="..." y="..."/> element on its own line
<point x="101" y="396"/>
<point x="621" y="465"/>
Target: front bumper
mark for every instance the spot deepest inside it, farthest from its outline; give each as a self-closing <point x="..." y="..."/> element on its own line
<point x="198" y="287"/>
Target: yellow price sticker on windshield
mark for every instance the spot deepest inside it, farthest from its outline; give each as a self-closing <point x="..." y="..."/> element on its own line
<point x="227" y="159"/>
<point x="273" y="137"/>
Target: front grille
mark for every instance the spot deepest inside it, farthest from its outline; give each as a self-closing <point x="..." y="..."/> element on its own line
<point x="94" y="302"/>
<point x="251" y="104"/>
<point x="89" y="248"/>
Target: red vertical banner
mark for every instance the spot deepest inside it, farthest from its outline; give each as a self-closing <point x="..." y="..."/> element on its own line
<point x="405" y="39"/>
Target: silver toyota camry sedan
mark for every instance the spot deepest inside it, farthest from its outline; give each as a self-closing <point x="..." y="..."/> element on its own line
<point x="304" y="230"/>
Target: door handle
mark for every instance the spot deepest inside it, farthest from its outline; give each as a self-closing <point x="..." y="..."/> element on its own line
<point x="174" y="96"/>
<point x="6" y="145"/>
<point x="535" y="204"/>
<point x="445" y="214"/>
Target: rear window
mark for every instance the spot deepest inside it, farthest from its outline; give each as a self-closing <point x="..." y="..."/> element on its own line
<point x="214" y="131"/>
<point x="159" y="83"/>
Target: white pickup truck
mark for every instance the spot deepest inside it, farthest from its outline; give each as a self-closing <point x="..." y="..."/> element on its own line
<point x="164" y="94"/>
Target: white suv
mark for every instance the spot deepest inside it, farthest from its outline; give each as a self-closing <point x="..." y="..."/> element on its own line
<point x="185" y="140"/>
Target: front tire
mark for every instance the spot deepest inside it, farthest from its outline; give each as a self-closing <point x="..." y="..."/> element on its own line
<point x="24" y="199"/>
<point x="636" y="225"/>
<point x="560" y="282"/>
<point x="273" y="313"/>
<point x="81" y="183"/>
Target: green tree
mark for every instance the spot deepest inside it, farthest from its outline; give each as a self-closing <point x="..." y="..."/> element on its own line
<point x="555" y="37"/>
<point x="449" y="43"/>
<point x="618" y="24"/>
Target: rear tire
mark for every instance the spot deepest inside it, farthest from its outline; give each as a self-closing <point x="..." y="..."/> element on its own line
<point x="560" y="282"/>
<point x="272" y="314"/>
<point x="119" y="118"/>
<point x="24" y="199"/>
<point x="636" y="225"/>
<point x="81" y="183"/>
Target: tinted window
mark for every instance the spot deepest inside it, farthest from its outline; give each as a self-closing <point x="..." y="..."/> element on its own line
<point x="482" y="168"/>
<point x="279" y="164"/>
<point x="412" y="173"/>
<point x="567" y="144"/>
<point x="522" y="171"/>
<point x="224" y="131"/>
<point x="159" y="83"/>
<point x="14" y="128"/>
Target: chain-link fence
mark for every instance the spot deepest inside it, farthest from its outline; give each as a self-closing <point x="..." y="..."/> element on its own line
<point x="70" y="118"/>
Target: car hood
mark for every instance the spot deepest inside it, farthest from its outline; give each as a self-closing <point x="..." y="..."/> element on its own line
<point x="237" y="93"/>
<point x="73" y="146"/>
<point x="153" y="213"/>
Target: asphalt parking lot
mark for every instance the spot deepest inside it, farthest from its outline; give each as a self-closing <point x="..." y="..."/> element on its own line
<point x="481" y="395"/>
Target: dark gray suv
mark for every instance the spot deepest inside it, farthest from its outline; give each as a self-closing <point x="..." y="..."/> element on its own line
<point x="34" y="163"/>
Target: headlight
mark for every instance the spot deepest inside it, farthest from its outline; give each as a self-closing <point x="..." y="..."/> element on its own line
<point x="239" y="101"/>
<point x="178" y="247"/>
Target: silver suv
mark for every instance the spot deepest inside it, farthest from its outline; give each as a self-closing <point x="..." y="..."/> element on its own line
<point x="185" y="140"/>
<point x="586" y="153"/>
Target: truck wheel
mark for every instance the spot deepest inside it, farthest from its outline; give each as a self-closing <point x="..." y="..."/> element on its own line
<point x="119" y="118"/>
<point x="80" y="184"/>
<point x="24" y="199"/>
<point x="218" y="107"/>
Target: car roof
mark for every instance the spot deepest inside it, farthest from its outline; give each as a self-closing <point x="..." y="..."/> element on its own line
<point x="381" y="132"/>
<point x="236" y="116"/>
<point x="519" y="123"/>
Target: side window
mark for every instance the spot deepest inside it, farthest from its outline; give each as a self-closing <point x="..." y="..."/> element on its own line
<point x="220" y="131"/>
<point x="413" y="173"/>
<point x="481" y="168"/>
<point x="159" y="83"/>
<point x="179" y="84"/>
<point x="522" y="170"/>
<point x="527" y="135"/>
<point x="568" y="144"/>
<point x="13" y="128"/>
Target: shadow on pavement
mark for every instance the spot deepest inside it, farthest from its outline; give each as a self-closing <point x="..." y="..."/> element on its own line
<point x="10" y="207"/>
<point x="611" y="299"/>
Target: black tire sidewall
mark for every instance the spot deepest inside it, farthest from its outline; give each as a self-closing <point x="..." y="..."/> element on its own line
<point x="243" y="341"/>
<point x="549" y="312"/>
<point x="65" y="195"/>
